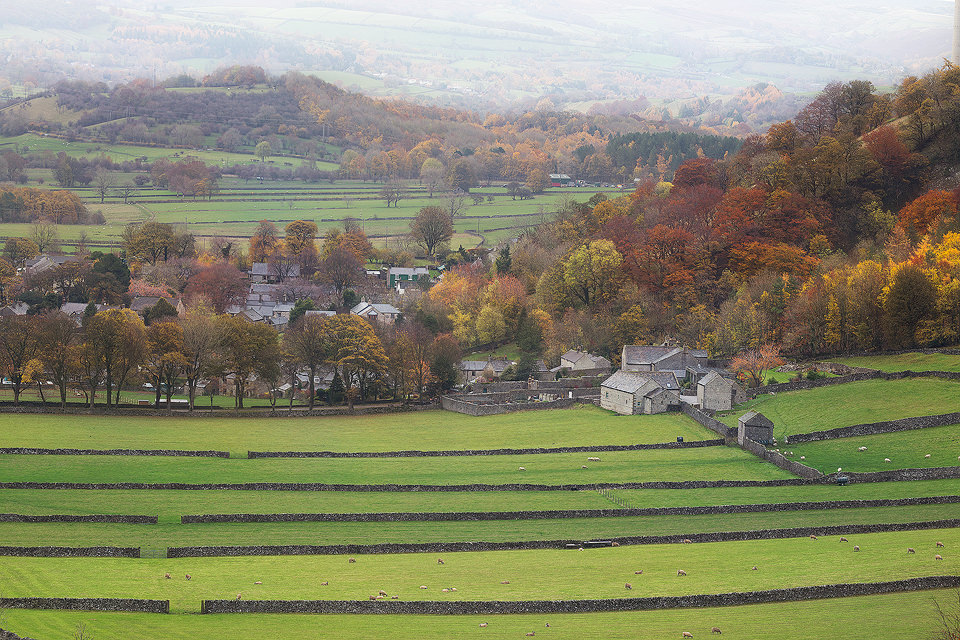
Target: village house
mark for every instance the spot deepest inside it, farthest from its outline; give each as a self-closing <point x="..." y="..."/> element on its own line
<point x="641" y="358"/>
<point x="372" y="312"/>
<point x="716" y="393"/>
<point x="488" y="369"/>
<point x="631" y="393"/>
<point x="403" y="276"/>
<point x="43" y="262"/>
<point x="261" y="272"/>
<point x="141" y="304"/>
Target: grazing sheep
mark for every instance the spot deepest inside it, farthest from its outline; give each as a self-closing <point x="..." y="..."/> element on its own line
<point x="939" y="545"/>
<point x="547" y="625"/>
<point x="842" y="539"/>
<point x="188" y="576"/>
<point x="716" y="630"/>
<point x="394" y="597"/>
<point x="856" y="547"/>
<point x="238" y="596"/>
<point x="352" y="560"/>
<point x="839" y="469"/>
<point x="583" y="466"/>
<point x="423" y="586"/>
<point x="382" y="592"/>
<point x="522" y="469"/>
<point x="444" y="590"/>
<point x="614" y="544"/>
<point x="938" y="557"/>
<point x="531" y="633"/>
<point x="886" y="459"/>
<point x="638" y="573"/>
<point x="687" y="634"/>
<point x="681" y="572"/>
<point x="803" y="457"/>
<point x="380" y="597"/>
<point x="504" y="582"/>
<point x="167" y="576"/>
<point x="439" y="560"/>
<point x="910" y="550"/>
<point x="628" y="586"/>
<point x="927" y="456"/>
<point x="453" y="588"/>
<point x="813" y="537"/>
<point x="687" y="541"/>
<point x="483" y="624"/>
<point x="861" y="448"/>
<point x="754" y="568"/>
<point x="593" y="459"/>
<point x="373" y="597"/>
<point x="258" y="582"/>
<point x="325" y="583"/>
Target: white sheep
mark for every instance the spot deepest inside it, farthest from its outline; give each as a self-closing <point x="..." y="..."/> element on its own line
<point x="927" y="456"/>
<point x="522" y="469"/>
<point x="483" y="624"/>
<point x="687" y="634"/>
<point x="423" y="586"/>
<point x="803" y="457"/>
<point x="856" y="547"/>
<point x="938" y="557"/>
<point x="593" y="459"/>
<point x="886" y="459"/>
<point x="861" y="448"/>
<point x="839" y="469"/>
<point x="681" y="572"/>
<point x="939" y="545"/>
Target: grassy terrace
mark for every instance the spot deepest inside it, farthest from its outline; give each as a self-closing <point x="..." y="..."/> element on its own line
<point x="166" y="535"/>
<point x="424" y="430"/>
<point x="708" y="463"/>
<point x="539" y="574"/>
<point x="884" y="617"/>
<point x="170" y="505"/>
<point x="905" y="362"/>
<point x="853" y="403"/>
<point x="905" y="449"/>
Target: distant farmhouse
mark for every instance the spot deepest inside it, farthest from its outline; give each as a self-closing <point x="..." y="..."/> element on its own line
<point x="373" y="312"/>
<point x="662" y="358"/>
<point x="401" y="277"/>
<point x="574" y="361"/>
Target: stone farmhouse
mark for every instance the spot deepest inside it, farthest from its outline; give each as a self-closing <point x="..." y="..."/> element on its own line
<point x="373" y="312"/>
<point x="403" y="276"/>
<point x="632" y="393"/>
<point x="716" y="393"/>
<point x="642" y="358"/>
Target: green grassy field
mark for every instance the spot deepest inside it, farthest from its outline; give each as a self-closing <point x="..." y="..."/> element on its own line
<point x="848" y="404"/>
<point x="708" y="463"/>
<point x="538" y="574"/>
<point x="905" y="449"/>
<point x="883" y="617"/>
<point x="173" y="535"/>
<point x="424" y="430"/>
<point x="905" y="362"/>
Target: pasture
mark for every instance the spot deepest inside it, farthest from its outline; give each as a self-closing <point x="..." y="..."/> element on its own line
<point x="843" y="405"/>
<point x="913" y="361"/>
<point x="424" y="430"/>
<point x="880" y="617"/>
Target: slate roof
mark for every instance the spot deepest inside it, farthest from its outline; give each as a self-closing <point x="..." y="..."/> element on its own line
<point x="626" y="381"/>
<point x="647" y="354"/>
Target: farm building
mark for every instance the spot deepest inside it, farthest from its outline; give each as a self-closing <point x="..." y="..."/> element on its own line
<point x="755" y="426"/>
<point x="631" y="393"/>
<point x="489" y="369"/>
<point x="716" y="393"/>
<point x="382" y="313"/>
<point x="661" y="358"/>
<point x="559" y="180"/>
<point x="400" y="275"/>
<point x="583" y="361"/>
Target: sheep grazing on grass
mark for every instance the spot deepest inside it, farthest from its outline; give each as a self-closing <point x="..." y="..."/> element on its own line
<point x="423" y="586"/>
<point x="716" y="630"/>
<point x="886" y="459"/>
<point x="638" y="573"/>
<point x="754" y="568"/>
<point x="593" y="459"/>
<point x="522" y="469"/>
<point x="583" y="466"/>
<point x="444" y="590"/>
<point x="373" y="597"/>
<point x="483" y="624"/>
<point x="813" y="537"/>
<point x="614" y="544"/>
<point x="394" y="597"/>
<point x="861" y="448"/>
<point x="547" y="625"/>
<point x="687" y="541"/>
<point x="439" y="560"/>
<point x="188" y="576"/>
<point x="167" y="576"/>
<point x="453" y="588"/>
<point x="238" y="596"/>
<point x="352" y="560"/>
<point x="927" y="456"/>
<point x="687" y="634"/>
<point x="842" y="539"/>
<point x="531" y="633"/>
<point x="939" y="545"/>
<point x="839" y="469"/>
<point x="325" y="583"/>
<point x="628" y="586"/>
<point x="856" y="547"/>
<point x="803" y="457"/>
<point x="910" y="550"/>
<point x="504" y="582"/>
<point x="938" y="557"/>
<point x="382" y="592"/>
<point x="681" y="572"/>
<point x="258" y="582"/>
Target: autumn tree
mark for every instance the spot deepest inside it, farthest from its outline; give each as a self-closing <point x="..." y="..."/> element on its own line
<point x="299" y="244"/>
<point x="752" y="365"/>
<point x="431" y="228"/>
<point x="248" y="348"/>
<point x="591" y="271"/>
<point x="263" y="241"/>
<point x="202" y="337"/>
<point x="911" y="298"/>
<point x="117" y="339"/>
<point x="164" y="357"/>
<point x="356" y="352"/>
<point x="445" y="354"/>
<point x="58" y="337"/>
<point x="341" y="269"/>
<point x="306" y="342"/>
<point x="19" y="344"/>
<point x="221" y="285"/>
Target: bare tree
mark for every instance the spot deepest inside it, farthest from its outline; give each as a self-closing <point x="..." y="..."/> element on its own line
<point x="44" y="234"/>
<point x="127" y="191"/>
<point x="307" y="343"/>
<point x="340" y="268"/>
<point x="102" y="183"/>
<point x="455" y="201"/>
<point x="432" y="227"/>
<point x="202" y="335"/>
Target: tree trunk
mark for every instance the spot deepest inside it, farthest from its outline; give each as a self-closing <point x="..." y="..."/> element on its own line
<point x="313" y="391"/>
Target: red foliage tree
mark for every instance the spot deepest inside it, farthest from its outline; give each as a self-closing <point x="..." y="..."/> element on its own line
<point x="221" y="285"/>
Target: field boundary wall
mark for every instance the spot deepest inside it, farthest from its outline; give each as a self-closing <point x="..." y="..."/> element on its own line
<point x="872" y="428"/>
<point x="88" y="604"/>
<point x="579" y="606"/>
<point x="34" y="451"/>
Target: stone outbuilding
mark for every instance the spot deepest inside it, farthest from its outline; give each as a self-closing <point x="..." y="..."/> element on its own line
<point x="631" y="393"/>
<point x="755" y="426"/>
<point x="575" y="361"/>
<point x="716" y="393"/>
<point x="661" y="358"/>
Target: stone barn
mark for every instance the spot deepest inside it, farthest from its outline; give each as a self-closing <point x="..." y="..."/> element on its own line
<point x="631" y="393"/>
<point x="755" y="426"/>
<point x="716" y="393"/>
